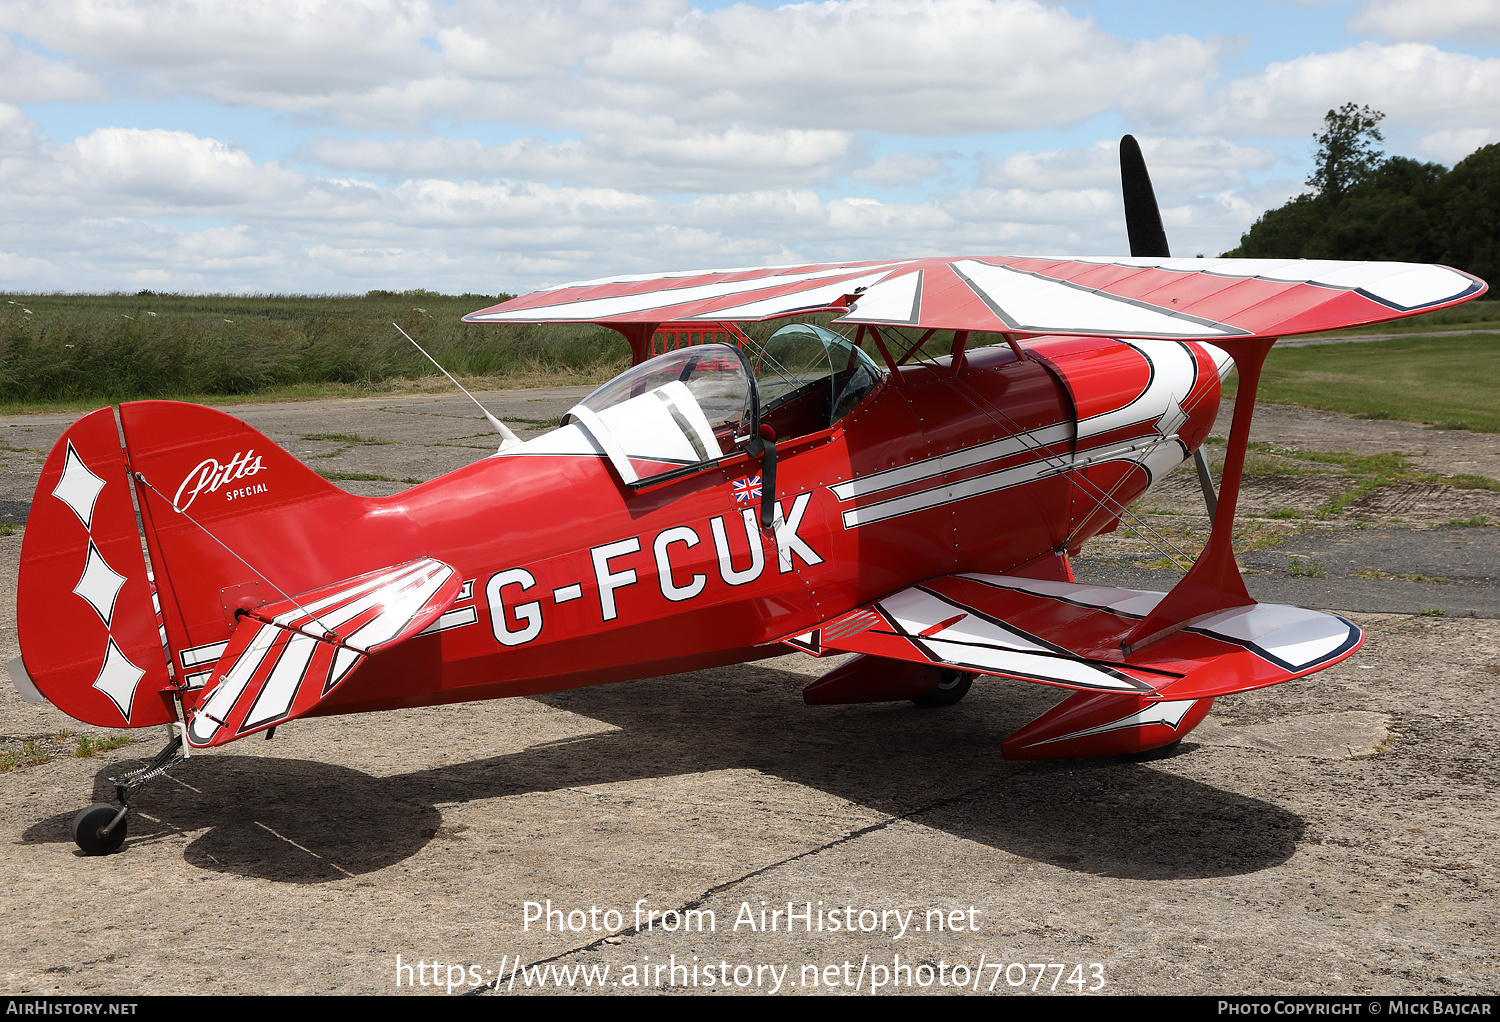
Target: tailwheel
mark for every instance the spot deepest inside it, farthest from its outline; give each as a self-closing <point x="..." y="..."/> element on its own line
<point x="93" y="830"/>
<point x="952" y="687"/>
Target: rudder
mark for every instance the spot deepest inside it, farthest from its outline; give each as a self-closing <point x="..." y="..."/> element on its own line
<point x="90" y="640"/>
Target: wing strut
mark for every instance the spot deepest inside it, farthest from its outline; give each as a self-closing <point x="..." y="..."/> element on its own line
<point x="639" y="336"/>
<point x="1214" y="582"/>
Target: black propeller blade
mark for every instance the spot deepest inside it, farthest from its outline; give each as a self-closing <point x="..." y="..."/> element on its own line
<point x="1142" y="216"/>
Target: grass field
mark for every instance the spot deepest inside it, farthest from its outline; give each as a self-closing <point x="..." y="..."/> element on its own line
<point x="1448" y="382"/>
<point x="67" y="350"/>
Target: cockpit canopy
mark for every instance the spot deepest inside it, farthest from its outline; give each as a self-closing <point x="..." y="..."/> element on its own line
<point x="695" y="405"/>
<point x="809" y="378"/>
<point x="682" y="408"/>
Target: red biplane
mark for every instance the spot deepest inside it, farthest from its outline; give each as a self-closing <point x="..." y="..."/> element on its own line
<point x="833" y="489"/>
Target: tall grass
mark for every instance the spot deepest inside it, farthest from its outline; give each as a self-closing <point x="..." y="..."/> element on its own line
<point x="1480" y="315"/>
<point x="105" y="348"/>
<point x="64" y="349"/>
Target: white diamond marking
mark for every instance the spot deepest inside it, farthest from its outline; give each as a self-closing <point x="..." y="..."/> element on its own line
<point x="100" y="584"/>
<point x="118" y="679"/>
<point x="78" y="488"/>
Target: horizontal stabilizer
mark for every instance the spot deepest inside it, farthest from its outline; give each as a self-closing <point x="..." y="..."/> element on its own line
<point x="1069" y="634"/>
<point x="284" y="658"/>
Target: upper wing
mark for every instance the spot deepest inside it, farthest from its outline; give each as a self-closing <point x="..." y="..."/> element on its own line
<point x="1175" y="299"/>
<point x="1068" y="634"/>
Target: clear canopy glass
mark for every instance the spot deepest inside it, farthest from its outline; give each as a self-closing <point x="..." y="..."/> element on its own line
<point x="695" y="405"/>
<point x="809" y="378"/>
<point x="687" y="406"/>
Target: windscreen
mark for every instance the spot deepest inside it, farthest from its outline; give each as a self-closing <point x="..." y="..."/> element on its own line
<point x="688" y="406"/>
<point x="809" y="377"/>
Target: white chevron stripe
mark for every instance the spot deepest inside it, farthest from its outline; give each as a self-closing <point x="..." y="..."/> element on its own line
<point x="207" y="720"/>
<point x="1037" y="303"/>
<point x="975" y="642"/>
<point x="281" y="687"/>
<point x="1168" y="712"/>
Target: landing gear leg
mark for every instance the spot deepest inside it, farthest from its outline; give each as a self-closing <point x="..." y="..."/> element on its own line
<point x="100" y="829"/>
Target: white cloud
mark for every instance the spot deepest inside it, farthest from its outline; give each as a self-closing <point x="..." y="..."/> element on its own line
<point x="172" y="170"/>
<point x="1473" y="21"/>
<point x="518" y="39"/>
<point x="1451" y="146"/>
<point x="288" y="230"/>
<point x="1416" y="85"/>
<point x="901" y="66"/>
<point x="1024" y="206"/>
<point x="27" y="77"/>
<point x="18" y="133"/>
<point x="1175" y="165"/>
<point x="652" y="134"/>
<point x="656" y="157"/>
<point x="235" y="51"/>
<point x="901" y="169"/>
<point x="365" y="63"/>
<point x="916" y="67"/>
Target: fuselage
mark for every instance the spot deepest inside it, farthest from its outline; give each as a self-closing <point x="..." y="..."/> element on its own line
<point x="574" y="578"/>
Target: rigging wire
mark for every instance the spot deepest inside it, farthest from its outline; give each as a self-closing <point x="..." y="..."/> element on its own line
<point x="327" y="632"/>
<point x="1056" y="459"/>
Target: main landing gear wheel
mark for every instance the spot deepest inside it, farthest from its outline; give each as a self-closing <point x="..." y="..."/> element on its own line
<point x="88" y="829"/>
<point x="1150" y="755"/>
<point x="953" y="687"/>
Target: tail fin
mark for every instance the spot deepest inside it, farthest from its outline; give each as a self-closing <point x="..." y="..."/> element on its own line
<point x="234" y="522"/>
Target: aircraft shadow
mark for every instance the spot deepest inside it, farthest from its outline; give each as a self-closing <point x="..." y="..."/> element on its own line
<point x="301" y="821"/>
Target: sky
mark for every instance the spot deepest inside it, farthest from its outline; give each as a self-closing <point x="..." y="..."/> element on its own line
<point x="489" y="146"/>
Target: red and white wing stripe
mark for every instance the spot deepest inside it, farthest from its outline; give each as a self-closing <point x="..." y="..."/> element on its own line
<point x="271" y="672"/>
<point x="1068" y="634"/>
<point x="690" y="295"/>
<point x="1172" y="299"/>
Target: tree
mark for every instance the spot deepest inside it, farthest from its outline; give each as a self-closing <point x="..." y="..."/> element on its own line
<point x="1348" y="154"/>
<point x="1282" y="233"/>
<point x="1392" y="214"/>
<point x="1371" y="207"/>
<point x="1398" y="211"/>
<point x="1471" y="231"/>
<point x="1348" y="150"/>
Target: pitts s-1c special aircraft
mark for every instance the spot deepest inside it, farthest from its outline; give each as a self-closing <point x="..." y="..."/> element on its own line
<point x="832" y="492"/>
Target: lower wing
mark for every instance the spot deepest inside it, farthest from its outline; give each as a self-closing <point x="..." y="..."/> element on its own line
<point x="1072" y="635"/>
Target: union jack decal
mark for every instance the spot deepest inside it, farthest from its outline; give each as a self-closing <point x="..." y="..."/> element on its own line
<point x="746" y="489"/>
